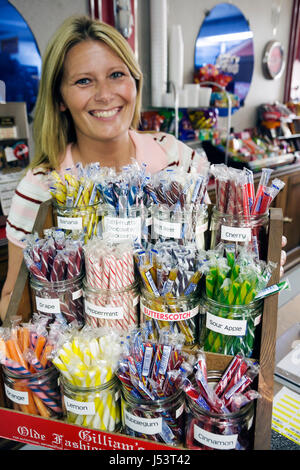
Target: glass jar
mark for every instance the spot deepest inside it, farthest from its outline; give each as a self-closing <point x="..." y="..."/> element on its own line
<point x="118" y="309"/>
<point x="35" y="394"/>
<point x="160" y="420"/>
<point x="128" y="223"/>
<point x="251" y="231"/>
<point x="229" y="329"/>
<point x="92" y="407"/>
<point x="62" y="299"/>
<point x="180" y="314"/>
<point x="206" y="430"/>
<point x="87" y="220"/>
<point x="188" y="225"/>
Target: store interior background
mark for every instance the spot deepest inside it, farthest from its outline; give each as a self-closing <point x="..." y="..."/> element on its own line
<point x="44" y="16"/>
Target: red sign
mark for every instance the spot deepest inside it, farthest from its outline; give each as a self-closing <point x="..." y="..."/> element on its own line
<point x="62" y="436"/>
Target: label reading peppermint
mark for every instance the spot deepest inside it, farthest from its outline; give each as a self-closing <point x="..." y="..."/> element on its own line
<point x="47" y="305"/>
<point x="149" y="426"/>
<point x="110" y="312"/>
<point x="236" y="234"/>
<point x="216" y="441"/>
<point x="121" y="229"/>
<point x="226" y="326"/>
<point x="169" y="316"/>
<point x="79" y="407"/>
<point x="69" y="223"/>
<point x="17" y="396"/>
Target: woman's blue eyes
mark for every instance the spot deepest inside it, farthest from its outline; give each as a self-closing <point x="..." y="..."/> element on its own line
<point x="82" y="81"/>
<point x="117" y="74"/>
<point x="86" y="81"/>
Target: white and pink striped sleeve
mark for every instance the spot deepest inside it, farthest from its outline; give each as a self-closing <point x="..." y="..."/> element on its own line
<point x="30" y="193"/>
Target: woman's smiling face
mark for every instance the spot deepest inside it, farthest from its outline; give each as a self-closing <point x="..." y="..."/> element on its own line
<point x="98" y="90"/>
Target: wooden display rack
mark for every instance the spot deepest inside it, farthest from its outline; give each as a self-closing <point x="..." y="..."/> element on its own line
<point x="59" y="435"/>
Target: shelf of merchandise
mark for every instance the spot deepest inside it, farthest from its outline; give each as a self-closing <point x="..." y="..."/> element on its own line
<point x="57" y="434"/>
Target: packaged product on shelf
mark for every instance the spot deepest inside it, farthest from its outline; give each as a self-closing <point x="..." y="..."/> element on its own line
<point x="170" y="275"/>
<point x="151" y="375"/>
<point x="220" y="405"/>
<point x="87" y="359"/>
<point x="240" y="215"/>
<point x="179" y="211"/>
<point x="126" y="202"/>
<point x="111" y="294"/>
<point x="231" y="309"/>
<point x="30" y="380"/>
<point x="76" y="201"/>
<point x="55" y="264"/>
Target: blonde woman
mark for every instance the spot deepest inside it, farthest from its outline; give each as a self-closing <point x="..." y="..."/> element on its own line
<point x="87" y="110"/>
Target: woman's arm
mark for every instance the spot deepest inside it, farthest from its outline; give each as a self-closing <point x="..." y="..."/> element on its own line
<point x="15" y="257"/>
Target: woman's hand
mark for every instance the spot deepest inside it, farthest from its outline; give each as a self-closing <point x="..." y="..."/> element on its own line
<point x="283" y="255"/>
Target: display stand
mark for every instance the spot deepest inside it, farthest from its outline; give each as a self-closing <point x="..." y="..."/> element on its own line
<point x="59" y="435"/>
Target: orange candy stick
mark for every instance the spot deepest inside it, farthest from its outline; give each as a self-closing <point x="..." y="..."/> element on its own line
<point x="25" y="339"/>
<point x="15" y="353"/>
<point x="30" y="408"/>
<point x="45" y="354"/>
<point x="3" y="347"/>
<point x="41" y="341"/>
<point x="43" y="411"/>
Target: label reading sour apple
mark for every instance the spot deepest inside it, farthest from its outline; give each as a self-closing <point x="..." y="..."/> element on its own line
<point x="226" y="326"/>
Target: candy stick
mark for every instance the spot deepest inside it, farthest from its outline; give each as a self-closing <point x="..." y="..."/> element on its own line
<point x="229" y="373"/>
<point x="241" y="385"/>
<point x="15" y="353"/>
<point x="274" y="289"/>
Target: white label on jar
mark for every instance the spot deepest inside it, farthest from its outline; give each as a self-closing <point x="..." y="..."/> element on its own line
<point x="79" y="407"/>
<point x="225" y="326"/>
<point x="47" y="305"/>
<point x="108" y="313"/>
<point x="167" y="229"/>
<point x="77" y="294"/>
<point x="16" y="396"/>
<point x="169" y="316"/>
<point x="216" y="441"/>
<point x="69" y="223"/>
<point x="125" y="228"/>
<point x="236" y="234"/>
<point x="149" y="426"/>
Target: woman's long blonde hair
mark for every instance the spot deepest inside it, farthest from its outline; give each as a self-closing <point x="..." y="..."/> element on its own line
<point x="53" y="129"/>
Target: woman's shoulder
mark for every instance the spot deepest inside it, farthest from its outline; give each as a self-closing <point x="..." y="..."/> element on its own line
<point x="35" y="182"/>
<point x="177" y="152"/>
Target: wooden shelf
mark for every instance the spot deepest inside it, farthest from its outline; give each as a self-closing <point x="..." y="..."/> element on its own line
<point x="55" y="434"/>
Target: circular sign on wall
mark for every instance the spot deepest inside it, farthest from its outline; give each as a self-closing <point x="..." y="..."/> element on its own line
<point x="273" y="60"/>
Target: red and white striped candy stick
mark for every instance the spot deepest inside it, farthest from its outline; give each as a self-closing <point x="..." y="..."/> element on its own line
<point x="241" y="385"/>
<point x="242" y="367"/>
<point x="231" y="209"/>
<point x="228" y="374"/>
<point x="127" y="281"/>
<point x="115" y="284"/>
<point x="222" y="195"/>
